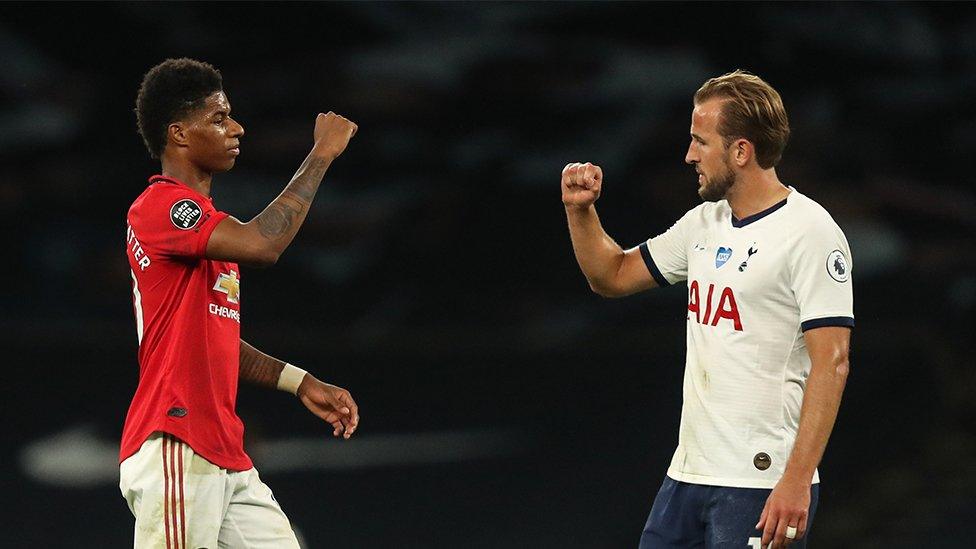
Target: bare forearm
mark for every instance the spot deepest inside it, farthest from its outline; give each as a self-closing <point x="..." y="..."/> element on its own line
<point x="259" y="368"/>
<point x="821" y="401"/>
<point x="279" y="222"/>
<point x="599" y="257"/>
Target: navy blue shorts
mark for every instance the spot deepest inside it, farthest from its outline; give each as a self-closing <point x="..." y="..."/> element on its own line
<point x="713" y="517"/>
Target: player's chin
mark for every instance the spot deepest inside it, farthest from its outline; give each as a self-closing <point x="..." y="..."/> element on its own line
<point x="711" y="193"/>
<point x="703" y="191"/>
<point x="225" y="165"/>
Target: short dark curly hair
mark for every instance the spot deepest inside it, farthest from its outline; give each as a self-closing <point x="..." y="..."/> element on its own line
<point x="169" y="91"/>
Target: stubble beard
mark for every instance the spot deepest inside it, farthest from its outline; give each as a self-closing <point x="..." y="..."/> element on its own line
<point x="715" y="189"/>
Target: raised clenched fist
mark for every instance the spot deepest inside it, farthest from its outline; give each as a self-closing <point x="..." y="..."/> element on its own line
<point x="581" y="184"/>
<point x="332" y="133"/>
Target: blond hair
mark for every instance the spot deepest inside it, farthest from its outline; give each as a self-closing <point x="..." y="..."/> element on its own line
<point x="751" y="110"/>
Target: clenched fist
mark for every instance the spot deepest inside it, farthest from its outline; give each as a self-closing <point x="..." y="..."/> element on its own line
<point x="332" y="133"/>
<point x="581" y="184"/>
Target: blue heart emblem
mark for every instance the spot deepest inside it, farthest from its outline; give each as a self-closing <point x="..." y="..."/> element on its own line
<point x="722" y="255"/>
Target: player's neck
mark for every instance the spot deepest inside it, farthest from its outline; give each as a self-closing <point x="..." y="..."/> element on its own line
<point x="189" y="175"/>
<point x="751" y="195"/>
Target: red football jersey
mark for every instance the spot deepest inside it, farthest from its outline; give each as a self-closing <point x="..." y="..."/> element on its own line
<point x="188" y="320"/>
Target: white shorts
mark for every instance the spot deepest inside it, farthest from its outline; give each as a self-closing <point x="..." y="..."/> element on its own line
<point x="182" y="501"/>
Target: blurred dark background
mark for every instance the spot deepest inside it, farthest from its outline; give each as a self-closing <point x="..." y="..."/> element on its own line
<point x="503" y="404"/>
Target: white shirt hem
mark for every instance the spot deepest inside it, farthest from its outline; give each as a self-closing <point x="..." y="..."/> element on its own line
<point x="766" y="484"/>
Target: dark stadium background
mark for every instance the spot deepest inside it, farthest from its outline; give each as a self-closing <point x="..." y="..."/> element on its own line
<point x="503" y="404"/>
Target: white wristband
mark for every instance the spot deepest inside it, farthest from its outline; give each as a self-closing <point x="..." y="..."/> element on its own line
<point x="291" y="377"/>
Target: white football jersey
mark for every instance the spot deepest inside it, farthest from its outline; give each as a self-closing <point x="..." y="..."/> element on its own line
<point x="754" y="286"/>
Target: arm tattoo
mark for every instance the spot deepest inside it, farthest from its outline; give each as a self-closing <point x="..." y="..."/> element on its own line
<point x="306" y="181"/>
<point x="259" y="368"/>
<point x="276" y="220"/>
<point x="283" y="217"/>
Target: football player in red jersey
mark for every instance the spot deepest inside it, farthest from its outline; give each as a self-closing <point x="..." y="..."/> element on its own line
<point x="184" y="472"/>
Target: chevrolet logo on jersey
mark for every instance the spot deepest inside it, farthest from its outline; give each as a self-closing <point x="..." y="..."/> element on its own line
<point x="228" y="284"/>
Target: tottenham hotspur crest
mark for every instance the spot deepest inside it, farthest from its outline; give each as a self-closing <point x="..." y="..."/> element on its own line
<point x="752" y="249"/>
<point x="229" y="285"/>
<point x="837" y="266"/>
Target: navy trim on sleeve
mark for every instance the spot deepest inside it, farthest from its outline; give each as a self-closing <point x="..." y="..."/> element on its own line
<point x="845" y="321"/>
<point x="655" y="272"/>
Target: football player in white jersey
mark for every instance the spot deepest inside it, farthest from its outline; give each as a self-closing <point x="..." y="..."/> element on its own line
<point x="770" y="311"/>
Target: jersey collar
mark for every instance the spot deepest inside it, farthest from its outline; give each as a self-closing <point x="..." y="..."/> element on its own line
<point x="739" y="223"/>
<point x="159" y="178"/>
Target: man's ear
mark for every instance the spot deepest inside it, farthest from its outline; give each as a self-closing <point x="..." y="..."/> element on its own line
<point x="742" y="152"/>
<point x="176" y="134"/>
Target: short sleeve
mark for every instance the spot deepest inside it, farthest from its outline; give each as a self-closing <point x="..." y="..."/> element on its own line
<point x="172" y="220"/>
<point x="666" y="255"/>
<point x="820" y="273"/>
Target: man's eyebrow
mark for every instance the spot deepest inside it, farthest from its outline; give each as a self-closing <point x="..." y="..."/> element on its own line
<point x="698" y="137"/>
